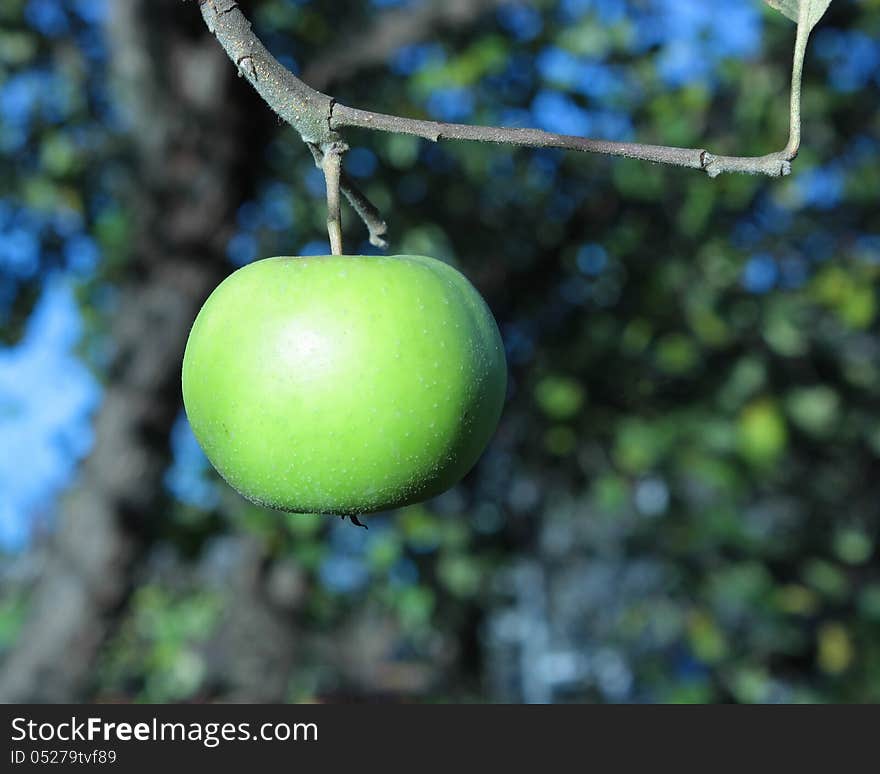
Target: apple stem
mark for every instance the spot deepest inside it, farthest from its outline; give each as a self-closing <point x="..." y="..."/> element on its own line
<point x="331" y="164"/>
<point x="364" y="208"/>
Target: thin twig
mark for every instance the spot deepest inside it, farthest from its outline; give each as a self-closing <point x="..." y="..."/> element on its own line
<point x="773" y="164"/>
<point x="797" y="72"/>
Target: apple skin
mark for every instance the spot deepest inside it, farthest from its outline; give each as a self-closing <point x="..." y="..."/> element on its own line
<point x="344" y="384"/>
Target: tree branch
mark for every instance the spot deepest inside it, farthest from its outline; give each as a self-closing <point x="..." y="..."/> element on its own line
<point x="184" y="180"/>
<point x="319" y="118"/>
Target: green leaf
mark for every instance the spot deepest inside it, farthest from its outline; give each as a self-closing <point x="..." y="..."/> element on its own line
<point x="762" y="432"/>
<point x="791" y="8"/>
<point x="559" y="397"/>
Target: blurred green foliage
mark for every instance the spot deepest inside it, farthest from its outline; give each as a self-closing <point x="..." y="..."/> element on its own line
<point x="684" y="494"/>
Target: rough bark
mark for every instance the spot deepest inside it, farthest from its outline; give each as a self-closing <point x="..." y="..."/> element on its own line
<point x="254" y="650"/>
<point x="186" y="180"/>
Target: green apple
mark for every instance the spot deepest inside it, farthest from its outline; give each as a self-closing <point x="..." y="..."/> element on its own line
<point x="344" y="384"/>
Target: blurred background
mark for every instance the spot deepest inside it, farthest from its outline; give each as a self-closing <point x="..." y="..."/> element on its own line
<point x="682" y="503"/>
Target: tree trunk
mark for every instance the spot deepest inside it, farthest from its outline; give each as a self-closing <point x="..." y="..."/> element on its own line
<point x="195" y="151"/>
